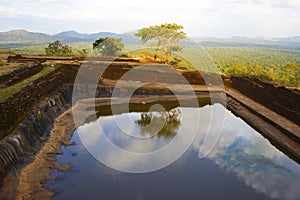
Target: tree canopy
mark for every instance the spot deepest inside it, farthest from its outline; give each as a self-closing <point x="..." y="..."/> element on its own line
<point x="57" y="49"/>
<point x="108" y="46"/>
<point x="288" y="75"/>
<point x="170" y="119"/>
<point x="165" y="35"/>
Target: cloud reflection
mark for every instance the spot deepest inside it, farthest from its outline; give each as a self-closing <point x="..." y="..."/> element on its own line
<point x="108" y="143"/>
<point x="244" y="152"/>
<point x="240" y="150"/>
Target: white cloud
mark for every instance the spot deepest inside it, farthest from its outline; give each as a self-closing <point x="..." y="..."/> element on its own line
<point x="11" y="12"/>
<point x="208" y="17"/>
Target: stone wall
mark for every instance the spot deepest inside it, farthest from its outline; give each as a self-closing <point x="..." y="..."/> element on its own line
<point x="156" y="74"/>
<point x="20" y="74"/>
<point x="282" y="100"/>
<point x="33" y="130"/>
<point x="15" y="108"/>
<point x="28" y="116"/>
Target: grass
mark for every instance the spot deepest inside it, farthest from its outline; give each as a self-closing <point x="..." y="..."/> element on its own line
<point x="205" y="57"/>
<point x="39" y="50"/>
<point x="5" y="93"/>
<point x="6" y="67"/>
<point x="225" y="56"/>
<point x="82" y="45"/>
<point x="149" y="53"/>
<point x="200" y="57"/>
<point x="208" y="58"/>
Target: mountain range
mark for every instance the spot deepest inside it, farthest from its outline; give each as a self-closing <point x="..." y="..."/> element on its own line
<point x="19" y="38"/>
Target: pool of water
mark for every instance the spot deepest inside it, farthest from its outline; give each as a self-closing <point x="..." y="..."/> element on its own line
<point x="241" y="165"/>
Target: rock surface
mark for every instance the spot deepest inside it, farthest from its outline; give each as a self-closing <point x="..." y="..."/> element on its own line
<point x="281" y="100"/>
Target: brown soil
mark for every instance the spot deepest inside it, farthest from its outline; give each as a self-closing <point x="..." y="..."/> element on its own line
<point x="279" y="129"/>
<point x="33" y="176"/>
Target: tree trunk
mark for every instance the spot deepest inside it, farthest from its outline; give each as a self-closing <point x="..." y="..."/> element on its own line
<point x="167" y="57"/>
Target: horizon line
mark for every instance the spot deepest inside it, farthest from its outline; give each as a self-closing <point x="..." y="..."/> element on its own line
<point x="193" y="36"/>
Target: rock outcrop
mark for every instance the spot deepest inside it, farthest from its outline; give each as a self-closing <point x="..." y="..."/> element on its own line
<point x="15" y="109"/>
<point x="34" y="130"/>
<point x="20" y="74"/>
<point x="282" y="100"/>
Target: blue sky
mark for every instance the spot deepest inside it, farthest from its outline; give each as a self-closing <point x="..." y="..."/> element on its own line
<point x="272" y="18"/>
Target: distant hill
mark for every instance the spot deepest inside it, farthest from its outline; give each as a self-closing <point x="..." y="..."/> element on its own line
<point x="84" y="36"/>
<point x="22" y="35"/>
<point x="19" y="38"/>
<point x="288" y="42"/>
<point x="126" y="37"/>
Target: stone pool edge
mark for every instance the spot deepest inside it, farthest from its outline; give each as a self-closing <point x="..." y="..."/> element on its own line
<point x="34" y="175"/>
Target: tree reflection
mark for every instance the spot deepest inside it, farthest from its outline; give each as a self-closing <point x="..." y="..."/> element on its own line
<point x="163" y="124"/>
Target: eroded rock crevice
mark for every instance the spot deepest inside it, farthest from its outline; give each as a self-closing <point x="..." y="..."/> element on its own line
<point x="34" y="130"/>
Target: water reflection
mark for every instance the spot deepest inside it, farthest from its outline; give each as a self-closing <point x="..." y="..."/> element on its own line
<point x="127" y="143"/>
<point x="244" y="152"/>
<point x="240" y="152"/>
<point x="169" y="122"/>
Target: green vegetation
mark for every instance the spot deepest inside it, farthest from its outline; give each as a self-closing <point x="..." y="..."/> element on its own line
<point x="6" y="51"/>
<point x="288" y="75"/>
<point x="165" y="35"/>
<point x="57" y="49"/>
<point x="274" y="65"/>
<point x="7" y="67"/>
<point x="108" y="46"/>
<point x="281" y="67"/>
<point x="8" y="91"/>
<point x="268" y="64"/>
<point x="177" y="61"/>
<point x="225" y="56"/>
<point x="39" y="50"/>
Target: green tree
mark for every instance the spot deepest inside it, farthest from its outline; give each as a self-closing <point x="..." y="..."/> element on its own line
<point x="83" y="52"/>
<point x="165" y="35"/>
<point x="258" y="72"/>
<point x="108" y="46"/>
<point x="274" y="72"/>
<point x="171" y="120"/>
<point x="237" y="69"/>
<point x="57" y="49"/>
<point x="290" y="74"/>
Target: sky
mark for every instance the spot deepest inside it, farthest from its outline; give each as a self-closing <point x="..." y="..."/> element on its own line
<point x="200" y="18"/>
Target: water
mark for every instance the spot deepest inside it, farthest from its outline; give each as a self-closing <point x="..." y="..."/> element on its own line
<point x="242" y="164"/>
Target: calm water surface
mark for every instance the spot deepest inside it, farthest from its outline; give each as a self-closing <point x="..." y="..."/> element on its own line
<point x="242" y="164"/>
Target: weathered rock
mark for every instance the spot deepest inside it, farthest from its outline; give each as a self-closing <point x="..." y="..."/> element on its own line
<point x="281" y="100"/>
<point x="20" y="74"/>
<point x="16" y="108"/>
<point x="33" y="131"/>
